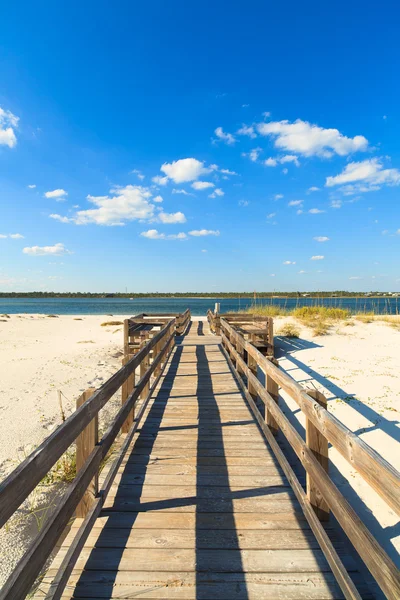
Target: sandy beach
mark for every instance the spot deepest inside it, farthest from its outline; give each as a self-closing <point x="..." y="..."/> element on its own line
<point x="356" y="367"/>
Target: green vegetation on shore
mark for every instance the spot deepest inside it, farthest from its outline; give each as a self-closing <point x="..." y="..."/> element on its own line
<point x="329" y="294"/>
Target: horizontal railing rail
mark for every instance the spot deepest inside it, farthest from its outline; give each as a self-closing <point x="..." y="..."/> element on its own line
<point x="20" y="483"/>
<point x="321" y="427"/>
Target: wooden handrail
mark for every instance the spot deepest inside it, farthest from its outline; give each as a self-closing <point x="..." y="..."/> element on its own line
<point x="384" y="478"/>
<point x="29" y="567"/>
<point x="19" y="484"/>
<point x="375" y="558"/>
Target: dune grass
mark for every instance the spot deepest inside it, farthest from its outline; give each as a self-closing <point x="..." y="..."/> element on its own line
<point x="318" y="318"/>
<point x="289" y="330"/>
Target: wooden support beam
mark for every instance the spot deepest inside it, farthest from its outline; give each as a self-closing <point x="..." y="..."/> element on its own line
<point x="273" y="390"/>
<point x="126" y="337"/>
<point x="126" y="390"/>
<point x="318" y="445"/>
<point x="144" y="365"/>
<point x="85" y="443"/>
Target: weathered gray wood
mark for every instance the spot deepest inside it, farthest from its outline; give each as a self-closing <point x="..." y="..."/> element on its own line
<point x="59" y="581"/>
<point x="375" y="558"/>
<point x="339" y="569"/>
<point x="382" y="476"/>
<point x="28" y="568"/>
<point x="19" y="484"/>
<point x="126" y="390"/>
<point x="318" y="445"/>
<point x="85" y="444"/>
<point x="161" y="585"/>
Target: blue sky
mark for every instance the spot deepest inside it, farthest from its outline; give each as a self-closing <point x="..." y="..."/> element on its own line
<point x="176" y="146"/>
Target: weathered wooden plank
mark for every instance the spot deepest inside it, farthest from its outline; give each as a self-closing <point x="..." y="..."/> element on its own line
<point x="200" y="586"/>
<point x="177" y="559"/>
<point x="266" y="504"/>
<point x="190" y="520"/>
<point x="199" y="480"/>
<point x="233" y="539"/>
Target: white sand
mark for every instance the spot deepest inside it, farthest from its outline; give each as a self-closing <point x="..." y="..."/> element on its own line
<point x="358" y="368"/>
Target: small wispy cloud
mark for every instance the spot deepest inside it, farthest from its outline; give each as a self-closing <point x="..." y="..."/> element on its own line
<point x="13" y="236"/>
<point x="56" y="250"/>
<point x="58" y="194"/>
<point x="289" y="262"/>
<point x="216" y="192"/>
<point x="315" y="211"/>
<point x="223" y="136"/>
<point x="154" y="234"/>
<point x="296" y="203"/>
<point x="204" y="232"/>
<point x="321" y="238"/>
<point x="138" y="173"/>
<point x="31" y="186"/>
<point x="202" y="185"/>
<point x="247" y="130"/>
<point x="317" y="257"/>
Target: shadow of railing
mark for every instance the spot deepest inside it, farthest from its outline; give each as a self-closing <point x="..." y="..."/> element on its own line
<point x="286" y="349"/>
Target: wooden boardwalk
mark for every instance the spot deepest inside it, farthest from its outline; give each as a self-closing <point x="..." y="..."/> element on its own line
<point x="200" y="509"/>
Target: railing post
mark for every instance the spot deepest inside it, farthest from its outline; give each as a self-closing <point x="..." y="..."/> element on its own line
<point x="318" y="444"/>
<point x="270" y="341"/>
<point x="273" y="391"/>
<point x="144" y="365"/>
<point x="126" y="337"/>
<point x="85" y="443"/>
<point x="126" y="391"/>
<point x="252" y="364"/>
<point x="157" y="349"/>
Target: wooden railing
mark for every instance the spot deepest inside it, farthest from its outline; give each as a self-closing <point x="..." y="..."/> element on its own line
<point x="82" y="496"/>
<point x="322" y="428"/>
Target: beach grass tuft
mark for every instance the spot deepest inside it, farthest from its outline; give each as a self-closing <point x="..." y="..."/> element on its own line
<point x="111" y="323"/>
<point x="289" y="330"/>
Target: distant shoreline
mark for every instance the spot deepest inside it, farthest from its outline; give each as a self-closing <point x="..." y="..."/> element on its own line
<point x="204" y="296"/>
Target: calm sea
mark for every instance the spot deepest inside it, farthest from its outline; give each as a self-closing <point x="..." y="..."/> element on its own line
<point x="198" y="306"/>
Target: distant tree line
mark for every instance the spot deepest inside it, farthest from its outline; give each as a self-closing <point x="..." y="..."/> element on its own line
<point x="338" y="293"/>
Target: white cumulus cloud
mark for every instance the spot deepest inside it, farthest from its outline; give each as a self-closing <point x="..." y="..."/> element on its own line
<point x="127" y="203"/>
<point x="315" y="211"/>
<point x="183" y="170"/>
<point x="289" y="262"/>
<point x="56" y="250"/>
<point x="321" y="238"/>
<point x="311" y="140"/>
<point x="296" y="203"/>
<point x="364" y="176"/>
<point x="177" y="217"/>
<point x="8" y="124"/>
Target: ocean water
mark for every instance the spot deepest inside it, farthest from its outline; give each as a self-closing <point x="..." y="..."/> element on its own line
<point x="198" y="306"/>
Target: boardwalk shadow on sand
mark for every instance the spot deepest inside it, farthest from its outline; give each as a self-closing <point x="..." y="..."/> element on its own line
<point x="288" y="349"/>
